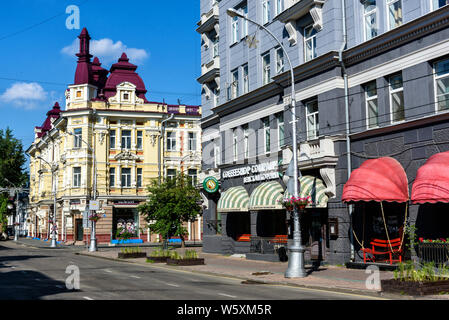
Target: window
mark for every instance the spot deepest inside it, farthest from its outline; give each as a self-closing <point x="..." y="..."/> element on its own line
<point x="126" y="139"/>
<point x="279" y="6"/>
<point x="126" y="96"/>
<point x="78" y="133"/>
<point x="266" y="134"/>
<point x="234" y="145"/>
<point x="139" y="140"/>
<point x="192" y="173"/>
<point x="436" y="4"/>
<point x="235" y="30"/>
<point x="246" y="140"/>
<point x="245" y="79"/>
<point x="77" y="177"/>
<point x="78" y="93"/>
<point x="192" y="141"/>
<point x="171" y="174"/>
<point x="370" y="20"/>
<point x="111" y="177"/>
<point x="265" y="11"/>
<point x="235" y="84"/>
<point x="394" y="14"/>
<point x="396" y="98"/>
<point x="371" y="105"/>
<point x="244" y="12"/>
<point x="442" y="85"/>
<point x="280" y="122"/>
<point x="139" y="177"/>
<point x="112" y="139"/>
<point x="217" y="154"/>
<point x="312" y="123"/>
<point x="279" y="60"/>
<point x="309" y="43"/>
<point x="171" y="141"/>
<point x="266" y="68"/>
<point x="126" y="177"/>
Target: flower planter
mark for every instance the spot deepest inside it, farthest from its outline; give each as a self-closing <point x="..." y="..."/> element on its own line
<point x="122" y="255"/>
<point x="185" y="262"/>
<point x="157" y="259"/>
<point x="415" y="288"/>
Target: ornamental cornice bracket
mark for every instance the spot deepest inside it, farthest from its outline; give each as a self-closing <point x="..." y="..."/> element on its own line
<point x="292" y="34"/>
<point x="317" y="15"/>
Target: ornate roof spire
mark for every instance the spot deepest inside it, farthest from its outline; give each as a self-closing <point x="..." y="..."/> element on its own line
<point x="83" y="74"/>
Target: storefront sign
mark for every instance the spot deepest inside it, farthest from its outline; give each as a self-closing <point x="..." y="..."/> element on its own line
<point x="210" y="184"/>
<point x="94" y="205"/>
<point x="258" y="172"/>
<point x="126" y="203"/>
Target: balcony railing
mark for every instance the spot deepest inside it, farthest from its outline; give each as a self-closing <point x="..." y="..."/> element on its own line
<point x="192" y="110"/>
<point x="322" y="147"/>
<point x="173" y="109"/>
<point x="213" y="64"/>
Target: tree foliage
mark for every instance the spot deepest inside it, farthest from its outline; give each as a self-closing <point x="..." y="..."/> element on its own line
<point x="3" y="213"/>
<point x="169" y="205"/>
<point x="12" y="159"/>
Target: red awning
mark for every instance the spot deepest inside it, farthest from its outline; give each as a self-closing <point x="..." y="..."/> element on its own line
<point x="432" y="180"/>
<point x="381" y="179"/>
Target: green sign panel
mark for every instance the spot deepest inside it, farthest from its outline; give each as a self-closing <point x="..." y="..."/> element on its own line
<point x="210" y="184"/>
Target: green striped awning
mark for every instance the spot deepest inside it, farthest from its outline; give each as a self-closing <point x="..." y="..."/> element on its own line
<point x="266" y="196"/>
<point x="315" y="188"/>
<point x="234" y="199"/>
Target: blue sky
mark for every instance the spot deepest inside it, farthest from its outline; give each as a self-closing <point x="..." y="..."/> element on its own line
<point x="36" y="64"/>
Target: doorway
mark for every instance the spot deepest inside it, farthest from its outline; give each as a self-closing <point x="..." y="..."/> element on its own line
<point x="79" y="229"/>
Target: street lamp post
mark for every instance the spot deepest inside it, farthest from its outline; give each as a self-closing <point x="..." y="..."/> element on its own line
<point x="53" y="168"/>
<point x="296" y="259"/>
<point x="17" y="209"/>
<point x="93" y="239"/>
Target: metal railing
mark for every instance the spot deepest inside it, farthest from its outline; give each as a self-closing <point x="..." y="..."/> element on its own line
<point x="433" y="252"/>
<point x="265" y="245"/>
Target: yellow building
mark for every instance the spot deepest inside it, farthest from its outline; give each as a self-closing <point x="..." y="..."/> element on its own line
<point x="109" y="128"/>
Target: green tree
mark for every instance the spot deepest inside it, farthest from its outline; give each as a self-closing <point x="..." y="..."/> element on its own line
<point x="169" y="205"/>
<point x="12" y="160"/>
<point x="3" y="215"/>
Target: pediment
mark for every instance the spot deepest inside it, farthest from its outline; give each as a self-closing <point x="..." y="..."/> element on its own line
<point x="127" y="155"/>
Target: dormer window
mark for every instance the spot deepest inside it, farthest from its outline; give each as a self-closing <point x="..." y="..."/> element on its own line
<point x="78" y="93"/>
<point x="126" y="96"/>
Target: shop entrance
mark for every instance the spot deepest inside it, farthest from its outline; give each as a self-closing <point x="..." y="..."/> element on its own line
<point x="127" y="218"/>
<point x="79" y="229"/>
<point x="315" y="233"/>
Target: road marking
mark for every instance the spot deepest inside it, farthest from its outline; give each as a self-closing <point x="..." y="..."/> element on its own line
<point x="136" y="277"/>
<point x="59" y="286"/>
<point x="226" y="295"/>
<point x="87" y="298"/>
<point x="109" y="271"/>
<point x="173" y="285"/>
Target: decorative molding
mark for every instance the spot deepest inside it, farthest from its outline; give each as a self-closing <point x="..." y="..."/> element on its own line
<point x="292" y="33"/>
<point x="317" y="15"/>
<point x="328" y="175"/>
<point x="126" y="155"/>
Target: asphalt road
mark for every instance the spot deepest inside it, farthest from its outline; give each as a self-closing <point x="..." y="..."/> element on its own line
<point x="28" y="273"/>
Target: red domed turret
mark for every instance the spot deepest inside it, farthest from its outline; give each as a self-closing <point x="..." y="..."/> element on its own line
<point x="52" y="115"/>
<point x="83" y="74"/>
<point x="123" y="71"/>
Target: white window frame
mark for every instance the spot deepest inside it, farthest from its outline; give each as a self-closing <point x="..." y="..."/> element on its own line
<point x="246" y="140"/>
<point x="77" y="137"/>
<point x="76" y="177"/>
<point x="365" y="15"/>
<point x="216" y="155"/>
<point x="280" y="63"/>
<point x="126" y="140"/>
<point x="234" y="30"/>
<point x="234" y="144"/>
<point x="192" y="141"/>
<point x="368" y="99"/>
<point x="266" y="68"/>
<point x="193" y="177"/>
<point x="280" y="123"/>
<point x="395" y="91"/>
<point x="279" y="6"/>
<point x="139" y="177"/>
<point x="265" y="12"/>
<point x="171" y="176"/>
<point x="244" y="12"/>
<point x="266" y="134"/>
<point x="112" y="137"/>
<point x="315" y="116"/>
<point x="171" y="140"/>
<point x="312" y="40"/>
<point x="389" y="4"/>
<point x="112" y="177"/>
<point x="127" y="177"/>
<point x="139" y="140"/>
<point x="433" y="7"/>
<point x="235" y="83"/>
<point x="436" y="78"/>
<point x="245" y="78"/>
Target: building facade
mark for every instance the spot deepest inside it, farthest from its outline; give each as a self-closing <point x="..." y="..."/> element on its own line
<point x="109" y="141"/>
<point x="368" y="74"/>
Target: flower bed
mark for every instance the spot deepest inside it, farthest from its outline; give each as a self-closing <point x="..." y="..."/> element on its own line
<point x="123" y="255"/>
<point x="185" y="262"/>
<point x="152" y="259"/>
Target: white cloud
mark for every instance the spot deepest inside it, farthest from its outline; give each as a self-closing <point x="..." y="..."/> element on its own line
<point x="24" y="94"/>
<point x="108" y="51"/>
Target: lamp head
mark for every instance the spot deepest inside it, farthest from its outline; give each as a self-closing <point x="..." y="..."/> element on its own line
<point x="234" y="13"/>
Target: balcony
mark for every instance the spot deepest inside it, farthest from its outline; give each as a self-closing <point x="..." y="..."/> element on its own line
<point x="210" y="70"/>
<point x="295" y="9"/>
<point x="208" y="20"/>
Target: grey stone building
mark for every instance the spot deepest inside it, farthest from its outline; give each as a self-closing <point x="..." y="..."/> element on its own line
<point x="384" y="65"/>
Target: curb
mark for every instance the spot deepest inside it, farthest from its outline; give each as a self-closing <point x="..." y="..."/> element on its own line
<point x="375" y="294"/>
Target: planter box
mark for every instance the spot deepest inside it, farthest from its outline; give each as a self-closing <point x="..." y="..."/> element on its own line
<point x="415" y="288"/>
<point x="157" y="259"/>
<point x="122" y="255"/>
<point x="185" y="262"/>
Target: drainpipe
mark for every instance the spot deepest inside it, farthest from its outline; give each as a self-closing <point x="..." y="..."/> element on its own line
<point x="348" y="140"/>
<point x="161" y="142"/>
